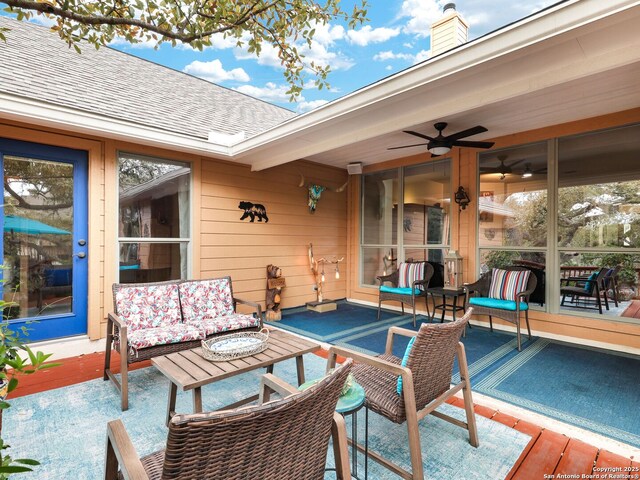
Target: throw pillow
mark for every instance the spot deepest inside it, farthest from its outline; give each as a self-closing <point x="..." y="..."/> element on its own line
<point x="506" y="284"/>
<point x="409" y="273"/>
<point x="588" y="285"/>
<point x="405" y="359"/>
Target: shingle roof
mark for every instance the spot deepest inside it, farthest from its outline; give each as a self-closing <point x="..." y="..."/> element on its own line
<point x="35" y="63"/>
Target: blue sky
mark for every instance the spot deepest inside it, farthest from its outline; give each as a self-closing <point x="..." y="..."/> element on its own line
<point x="396" y="37"/>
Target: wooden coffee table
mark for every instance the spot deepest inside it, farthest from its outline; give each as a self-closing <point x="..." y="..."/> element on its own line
<point x="189" y="370"/>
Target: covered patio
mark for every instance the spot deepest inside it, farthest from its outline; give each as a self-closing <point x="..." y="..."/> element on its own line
<point x="172" y="193"/>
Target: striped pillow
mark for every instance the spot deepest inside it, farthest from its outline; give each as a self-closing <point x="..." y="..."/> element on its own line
<point x="505" y="284"/>
<point x="409" y="273"/>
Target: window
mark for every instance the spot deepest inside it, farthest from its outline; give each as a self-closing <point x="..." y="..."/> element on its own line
<point x="512" y="211"/>
<point x="153" y="219"/>
<point x="592" y="215"/>
<point x="599" y="216"/>
<point x="415" y="229"/>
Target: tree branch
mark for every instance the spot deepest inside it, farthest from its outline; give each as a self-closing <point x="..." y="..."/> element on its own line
<point x="22" y="203"/>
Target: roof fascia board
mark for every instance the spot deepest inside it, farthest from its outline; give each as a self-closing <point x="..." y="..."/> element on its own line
<point x="529" y="31"/>
<point x="32" y="111"/>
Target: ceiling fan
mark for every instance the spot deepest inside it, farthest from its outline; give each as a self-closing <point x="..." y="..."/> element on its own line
<point x="505" y="169"/>
<point x="443" y="143"/>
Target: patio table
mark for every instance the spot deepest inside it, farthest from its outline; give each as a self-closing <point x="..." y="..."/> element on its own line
<point x="189" y="370"/>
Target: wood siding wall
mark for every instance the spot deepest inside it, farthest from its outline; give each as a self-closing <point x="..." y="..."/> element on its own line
<point x="244" y="249"/>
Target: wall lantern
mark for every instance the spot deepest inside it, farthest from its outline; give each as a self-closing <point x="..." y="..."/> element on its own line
<point x="452" y="270"/>
<point x="462" y="198"/>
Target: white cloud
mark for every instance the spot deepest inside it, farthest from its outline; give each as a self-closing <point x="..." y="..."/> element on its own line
<point x="213" y="71"/>
<point x="388" y="68"/>
<point x="327" y="34"/>
<point x="311" y="105"/>
<point x="269" y="93"/>
<point x="389" y="55"/>
<point x="409" y="57"/>
<point x="421" y="13"/>
<point x="367" y="35"/>
<point x="421" y="56"/>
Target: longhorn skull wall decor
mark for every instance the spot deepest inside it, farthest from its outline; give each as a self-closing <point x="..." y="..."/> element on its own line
<point x="315" y="191"/>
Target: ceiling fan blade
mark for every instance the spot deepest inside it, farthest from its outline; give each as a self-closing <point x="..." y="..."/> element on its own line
<point x="417" y="134"/>
<point x="407" y="146"/>
<point x="516" y="162"/>
<point x="467" y="133"/>
<point x="465" y="143"/>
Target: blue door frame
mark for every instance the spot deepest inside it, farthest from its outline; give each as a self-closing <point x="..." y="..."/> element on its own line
<point x="74" y="323"/>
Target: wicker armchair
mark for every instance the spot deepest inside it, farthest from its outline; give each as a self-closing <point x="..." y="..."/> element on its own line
<point x="591" y="289"/>
<point x="405" y="295"/>
<point x="278" y="440"/>
<point x="510" y="311"/>
<point x="426" y="383"/>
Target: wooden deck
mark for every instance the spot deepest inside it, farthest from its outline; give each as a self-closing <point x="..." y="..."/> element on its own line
<point x="548" y="452"/>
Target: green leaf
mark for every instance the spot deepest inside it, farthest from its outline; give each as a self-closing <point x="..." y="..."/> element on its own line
<point x="13" y="383"/>
<point x="14" y="469"/>
<point x="27" y="461"/>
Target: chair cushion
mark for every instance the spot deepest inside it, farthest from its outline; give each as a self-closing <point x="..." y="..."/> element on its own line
<point x="588" y="285"/>
<point x="148" y="306"/>
<point x="206" y="299"/>
<point x="506" y="284"/>
<point x="399" y="291"/>
<point x="405" y="359"/>
<point x="225" y="323"/>
<point x="496" y="303"/>
<point x="409" y="273"/>
<point x="150" y="337"/>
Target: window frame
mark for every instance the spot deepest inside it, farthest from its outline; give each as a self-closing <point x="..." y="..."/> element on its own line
<point x="188" y="241"/>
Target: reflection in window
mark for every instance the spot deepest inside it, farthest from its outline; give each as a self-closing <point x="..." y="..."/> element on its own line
<point x="377" y="262"/>
<point x="37" y="237"/>
<point x="599" y="189"/>
<point x="154" y="207"/>
<point x="513" y="197"/>
<point x="512" y="211"/>
<point x="427" y="195"/>
<point x="380" y="200"/>
<point x="599" y="220"/>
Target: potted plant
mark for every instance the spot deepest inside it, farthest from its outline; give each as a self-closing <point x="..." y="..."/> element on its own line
<point x="16" y="359"/>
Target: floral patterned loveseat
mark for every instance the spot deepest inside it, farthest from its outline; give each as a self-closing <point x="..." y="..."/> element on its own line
<point x="152" y="319"/>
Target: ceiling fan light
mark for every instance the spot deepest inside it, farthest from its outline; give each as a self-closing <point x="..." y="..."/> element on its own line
<point x="439" y="150"/>
<point x="527" y="172"/>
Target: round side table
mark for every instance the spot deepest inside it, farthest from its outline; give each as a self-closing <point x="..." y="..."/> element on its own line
<point x="350" y="404"/>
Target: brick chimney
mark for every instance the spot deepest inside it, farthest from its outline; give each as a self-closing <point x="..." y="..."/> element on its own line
<point x="448" y="32"/>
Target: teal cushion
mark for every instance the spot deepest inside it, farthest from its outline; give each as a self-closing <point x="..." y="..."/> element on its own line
<point x="495" y="303"/>
<point x="587" y="285"/>
<point x="405" y="359"/>
<point x="400" y="291"/>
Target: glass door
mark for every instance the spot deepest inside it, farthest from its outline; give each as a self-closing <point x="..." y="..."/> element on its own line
<point x="44" y="241"/>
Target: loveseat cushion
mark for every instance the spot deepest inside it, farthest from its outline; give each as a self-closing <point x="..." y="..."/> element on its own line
<point x="148" y="306"/>
<point x="206" y="299"/>
<point x="150" y="337"/>
<point x="226" y="323"/>
<point x="398" y="290"/>
<point x="496" y="303"/>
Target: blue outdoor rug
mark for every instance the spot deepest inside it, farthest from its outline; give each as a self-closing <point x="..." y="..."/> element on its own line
<point x="590" y="388"/>
<point x="65" y="429"/>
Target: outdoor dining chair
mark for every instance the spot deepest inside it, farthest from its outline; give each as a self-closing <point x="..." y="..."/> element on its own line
<point x="284" y="439"/>
<point x="408" y="283"/>
<point x="592" y="290"/>
<point x="426" y="371"/>
<point x="503" y="293"/>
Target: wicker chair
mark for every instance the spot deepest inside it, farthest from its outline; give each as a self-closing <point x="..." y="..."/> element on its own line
<point x="509" y="313"/>
<point x="278" y="440"/>
<point x="405" y="295"/>
<point x="611" y="283"/>
<point x="426" y="383"/>
<point x="591" y="289"/>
